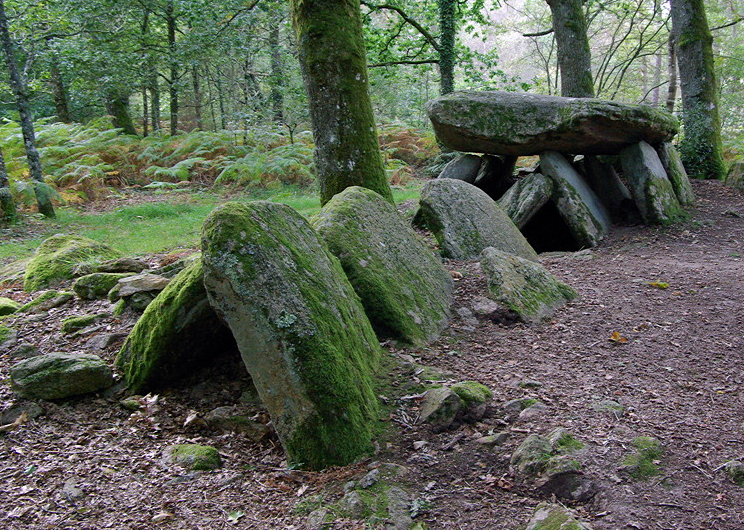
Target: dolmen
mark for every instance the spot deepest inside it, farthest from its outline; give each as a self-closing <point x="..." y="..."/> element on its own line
<point x="600" y="162"/>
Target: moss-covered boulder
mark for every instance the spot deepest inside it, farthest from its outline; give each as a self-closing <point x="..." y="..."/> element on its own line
<point x="46" y="301"/>
<point x="96" y="285"/>
<point x="194" y="457"/>
<point x="60" y="375"/>
<point x="405" y="290"/>
<point x="8" y="306"/>
<point x="523" y="286"/>
<point x="520" y="124"/>
<point x="465" y="221"/>
<point x="474" y="396"/>
<point x="525" y="198"/>
<point x="73" y="324"/>
<point x="648" y="181"/>
<point x="178" y="331"/>
<point x="300" y="328"/>
<point x="440" y="407"/>
<point x="554" y="517"/>
<point x="57" y="257"/>
<point x="676" y="173"/>
<point x="584" y="214"/>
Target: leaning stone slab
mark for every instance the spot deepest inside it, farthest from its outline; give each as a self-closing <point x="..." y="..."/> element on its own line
<point x="525" y="198"/>
<point x="676" y="173"/>
<point x="465" y="221"/>
<point x="554" y="517"/>
<point x="464" y="167"/>
<point x="405" y="290"/>
<point x="139" y="283"/>
<point x="123" y="265"/>
<point x="300" y="328"/>
<point x="652" y="190"/>
<point x="496" y="175"/>
<point x="178" y="331"/>
<point x="57" y="257"/>
<point x="585" y="215"/>
<point x="60" y="375"/>
<point x="606" y="183"/>
<point x="523" y="286"/>
<point x="510" y="123"/>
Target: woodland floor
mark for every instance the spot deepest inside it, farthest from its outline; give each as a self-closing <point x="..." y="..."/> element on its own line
<point x="680" y="377"/>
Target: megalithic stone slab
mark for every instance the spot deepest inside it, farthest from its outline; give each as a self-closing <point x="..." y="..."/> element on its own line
<point x="525" y="198"/>
<point x="584" y="214"/>
<point x="405" y="290"/>
<point x="652" y="190"/>
<point x="465" y="220"/>
<point x="300" y="328"/>
<point x="676" y="173"/>
<point x="520" y="124"/>
<point x="464" y="167"/>
<point x="606" y="183"/>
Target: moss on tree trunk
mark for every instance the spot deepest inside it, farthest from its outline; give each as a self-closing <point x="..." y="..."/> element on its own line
<point x="574" y="55"/>
<point x="334" y="67"/>
<point x="701" y="148"/>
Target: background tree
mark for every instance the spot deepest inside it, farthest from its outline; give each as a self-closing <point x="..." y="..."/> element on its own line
<point x="574" y="54"/>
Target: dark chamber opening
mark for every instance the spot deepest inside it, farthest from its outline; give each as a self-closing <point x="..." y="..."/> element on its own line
<point x="548" y="232"/>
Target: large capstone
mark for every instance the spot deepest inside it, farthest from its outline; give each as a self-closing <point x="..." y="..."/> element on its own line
<point x="178" y="331"/>
<point x="58" y="256"/>
<point x="652" y="190"/>
<point x="60" y="375"/>
<point x="465" y="221"/>
<point x="586" y="217"/>
<point x="525" y="198"/>
<point x="523" y="286"/>
<point x="405" y="290"/>
<point x="510" y="123"/>
<point x="300" y="328"/>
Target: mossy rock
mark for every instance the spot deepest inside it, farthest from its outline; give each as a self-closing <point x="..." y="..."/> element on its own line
<point x="563" y="441"/>
<point x="8" y="306"/>
<point x="440" y="407"/>
<point x="300" y="328"/>
<point x="472" y="393"/>
<point x="7" y="334"/>
<point x="72" y="324"/>
<point x="57" y="257"/>
<point x="465" y="220"/>
<point x="643" y="463"/>
<point x="525" y="198"/>
<point x="523" y="286"/>
<point x="195" y="457"/>
<point x="735" y="175"/>
<point x="60" y="375"/>
<point x="405" y="290"/>
<point x="97" y="285"/>
<point x="554" y="517"/>
<point x="532" y="455"/>
<point x="735" y="471"/>
<point x="178" y="331"/>
<point x="46" y="301"/>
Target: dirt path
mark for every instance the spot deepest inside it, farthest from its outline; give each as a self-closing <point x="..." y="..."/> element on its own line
<point x="679" y="378"/>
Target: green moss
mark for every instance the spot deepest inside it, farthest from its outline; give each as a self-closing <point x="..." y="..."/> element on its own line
<point x="196" y="457"/>
<point x="734" y="469"/>
<point x="97" y="285"/>
<point x="46" y="301"/>
<point x="57" y="257"/>
<point x="119" y="308"/>
<point x="472" y="393"/>
<point x="566" y="443"/>
<point x="5" y="333"/>
<point x="643" y="463"/>
<point x="72" y="324"/>
<point x="8" y="306"/>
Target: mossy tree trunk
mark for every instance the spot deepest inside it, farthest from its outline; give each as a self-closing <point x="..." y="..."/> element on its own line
<point x="59" y="94"/>
<point x="7" y="206"/>
<point x="574" y="55"/>
<point x="117" y="104"/>
<point x="20" y="90"/>
<point x="334" y="68"/>
<point x="447" y="45"/>
<point x="701" y="149"/>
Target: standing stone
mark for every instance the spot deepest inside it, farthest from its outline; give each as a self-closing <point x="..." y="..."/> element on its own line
<point x="649" y="184"/>
<point x="676" y="173"/>
<point x="300" y="328"/>
<point x="464" y="167"/>
<point x="60" y="375"/>
<point x="735" y="176"/>
<point x="523" y="286"/>
<point x="585" y="215"/>
<point x="606" y="183"/>
<point x="405" y="290"/>
<point x="496" y="175"/>
<point x="465" y="221"/>
<point x="525" y="198"/>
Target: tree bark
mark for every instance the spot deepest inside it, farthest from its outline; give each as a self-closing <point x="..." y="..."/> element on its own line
<point x="574" y="55"/>
<point x="334" y="68"/>
<point x="197" y="97"/>
<point x="155" y="103"/>
<point x="672" y="91"/>
<point x="447" y="45"/>
<point x="170" y="18"/>
<point x="277" y="74"/>
<point x="59" y="94"/>
<point x="7" y="206"/>
<point x="221" y="99"/>
<point x="701" y="149"/>
<point x="145" y="112"/>
<point x="20" y="91"/>
<point x="117" y="104"/>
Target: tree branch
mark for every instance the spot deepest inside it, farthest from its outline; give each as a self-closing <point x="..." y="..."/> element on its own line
<point x="728" y="25"/>
<point x="393" y="63"/>
<point x="539" y="33"/>
<point x="428" y="36"/>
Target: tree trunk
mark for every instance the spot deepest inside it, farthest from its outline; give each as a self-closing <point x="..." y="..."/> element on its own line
<point x="59" y="94"/>
<point x="334" y="68"/>
<point x="20" y="91"/>
<point x="117" y="104"/>
<point x="447" y="45"/>
<point x="145" y="112"/>
<point x="700" y="149"/>
<point x="574" y="55"/>
<point x="7" y="206"/>
<point x="197" y="97"/>
<point x="155" y="103"/>
<point x="221" y="98"/>
<point x="174" y="73"/>
<point x="277" y="73"/>
<point x="672" y="91"/>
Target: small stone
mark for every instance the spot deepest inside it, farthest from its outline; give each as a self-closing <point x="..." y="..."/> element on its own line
<point x="370" y="479"/>
<point x="735" y="471"/>
<point x="493" y="440"/>
<point x="14" y="412"/>
<point x="317" y="519"/>
<point x="229" y="419"/>
<point x="464" y="167"/>
<point x="529" y="383"/>
<point x="515" y="406"/>
<point x="420" y="444"/>
<point x="533" y="411"/>
<point x="60" y="375"/>
<point x="104" y="340"/>
<point x="72" y="324"/>
<point x="352" y="505"/>
<point x="474" y="396"/>
<point x="144" y="282"/>
<point x="440" y="407"/>
<point x="133" y="403"/>
<point x="554" y="517"/>
<point x="398" y="508"/>
<point x="608" y="405"/>
<point x="532" y="455"/>
<point x="123" y="265"/>
<point x="8" y="338"/>
<point x="96" y="285"/>
<point x="71" y="492"/>
<point x="46" y="301"/>
<point x="195" y="457"/>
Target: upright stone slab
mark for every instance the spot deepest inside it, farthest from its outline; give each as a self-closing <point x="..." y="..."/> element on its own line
<point x="523" y="286"/>
<point x="586" y="217"/>
<point x="735" y="176"/>
<point x="495" y="175"/>
<point x="652" y="191"/>
<point x="525" y="198"/>
<point x="676" y="173"/>
<point x="464" y="167"/>
<point x="178" y="331"/>
<point x="606" y="183"/>
<point x="300" y="328"/>
<point x="405" y="290"/>
<point x="465" y="221"/>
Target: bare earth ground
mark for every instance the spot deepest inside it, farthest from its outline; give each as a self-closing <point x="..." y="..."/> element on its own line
<point x="679" y="377"/>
